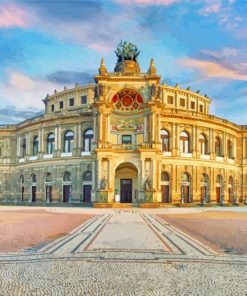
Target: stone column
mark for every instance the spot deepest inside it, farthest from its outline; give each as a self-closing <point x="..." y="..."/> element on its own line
<point x="40" y="139"/>
<point x="194" y="141"/>
<point x="42" y="150"/>
<point x="145" y="128"/>
<point x="18" y="146"/>
<point x="28" y="144"/>
<point x="56" y="138"/>
<point x="79" y="143"/>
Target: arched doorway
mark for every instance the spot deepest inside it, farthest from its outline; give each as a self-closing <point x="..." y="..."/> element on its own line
<point x="165" y="187"/>
<point x="126" y="182"/>
<point x="33" y="188"/>
<point x="48" y="187"/>
<point x="205" y="188"/>
<point x="87" y="187"/>
<point x="67" y="187"/>
<point x="231" y="189"/>
<point x="219" y="189"/>
<point x="186" y="187"/>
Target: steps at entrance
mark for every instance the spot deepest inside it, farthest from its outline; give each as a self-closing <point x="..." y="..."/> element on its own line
<point x="115" y="205"/>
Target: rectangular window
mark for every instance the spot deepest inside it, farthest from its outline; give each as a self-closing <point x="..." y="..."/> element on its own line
<point x="61" y="104"/>
<point x="126" y="139"/>
<point x="170" y="100"/>
<point x="52" y="108"/>
<point x="84" y="99"/>
<point x="71" y="102"/>
<point x="192" y="105"/>
<point x="201" y="108"/>
<point x="182" y="102"/>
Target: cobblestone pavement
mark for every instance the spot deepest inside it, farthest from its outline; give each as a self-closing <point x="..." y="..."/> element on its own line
<point x="123" y="253"/>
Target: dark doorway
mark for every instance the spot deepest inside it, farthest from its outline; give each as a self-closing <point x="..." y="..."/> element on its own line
<point x="165" y="193"/>
<point x="126" y="190"/>
<point x="22" y="193"/>
<point x="66" y="192"/>
<point x="33" y="193"/>
<point x="48" y="193"/>
<point x="186" y="190"/>
<point x="218" y="194"/>
<point x="87" y="193"/>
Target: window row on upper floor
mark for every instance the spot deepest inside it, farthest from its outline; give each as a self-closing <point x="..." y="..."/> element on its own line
<point x="68" y="103"/>
<point x="68" y="143"/>
<point x="203" y="144"/>
<point x="185" y="103"/>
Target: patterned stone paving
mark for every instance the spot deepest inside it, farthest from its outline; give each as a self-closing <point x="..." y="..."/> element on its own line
<point x="123" y="253"/>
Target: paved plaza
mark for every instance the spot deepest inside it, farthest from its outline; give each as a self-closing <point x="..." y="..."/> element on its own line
<point x="123" y="252"/>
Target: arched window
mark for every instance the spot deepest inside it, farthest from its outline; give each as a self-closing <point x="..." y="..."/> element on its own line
<point x="50" y="143"/>
<point x="23" y="148"/>
<point x="203" y="144"/>
<point x="164" y="176"/>
<point x="22" y="179"/>
<point x="217" y="146"/>
<point x="87" y="177"/>
<point x="35" y="145"/>
<point x="33" y="178"/>
<point x="184" y="142"/>
<point x="68" y="141"/>
<point x="219" y="179"/>
<point x="164" y="135"/>
<point x="67" y="177"/>
<point x="48" y="177"/>
<point x="229" y="149"/>
<point x="87" y="140"/>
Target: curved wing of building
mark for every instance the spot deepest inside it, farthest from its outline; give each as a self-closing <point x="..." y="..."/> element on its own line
<point x="127" y="138"/>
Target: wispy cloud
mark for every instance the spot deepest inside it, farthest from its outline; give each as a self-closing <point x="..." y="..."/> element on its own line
<point x="13" y="16"/>
<point x="209" y="69"/>
<point x="210" y="9"/>
<point x="23" y="91"/>
<point x="148" y="2"/>
<point x="70" y="77"/>
<point x="11" y="115"/>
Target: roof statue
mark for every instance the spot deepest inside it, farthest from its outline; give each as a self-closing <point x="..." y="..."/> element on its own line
<point x="127" y="51"/>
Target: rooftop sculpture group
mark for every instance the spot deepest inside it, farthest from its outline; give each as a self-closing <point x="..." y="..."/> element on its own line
<point x="127" y="51"/>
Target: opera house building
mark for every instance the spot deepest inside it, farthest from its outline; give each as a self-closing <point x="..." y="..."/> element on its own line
<point x="128" y="138"/>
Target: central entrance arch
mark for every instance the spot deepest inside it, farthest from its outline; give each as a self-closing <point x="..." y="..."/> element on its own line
<point x="126" y="182"/>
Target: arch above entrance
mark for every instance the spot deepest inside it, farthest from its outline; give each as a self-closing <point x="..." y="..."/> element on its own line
<point x="126" y="182"/>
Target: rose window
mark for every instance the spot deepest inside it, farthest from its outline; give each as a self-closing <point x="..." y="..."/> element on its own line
<point x="127" y="100"/>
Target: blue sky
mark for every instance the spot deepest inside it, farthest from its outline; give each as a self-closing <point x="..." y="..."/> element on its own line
<point x="46" y="44"/>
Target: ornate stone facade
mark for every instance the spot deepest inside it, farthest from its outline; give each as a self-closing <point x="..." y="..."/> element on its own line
<point x="125" y="138"/>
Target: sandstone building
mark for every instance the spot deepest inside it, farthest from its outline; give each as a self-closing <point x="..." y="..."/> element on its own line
<point x="127" y="138"/>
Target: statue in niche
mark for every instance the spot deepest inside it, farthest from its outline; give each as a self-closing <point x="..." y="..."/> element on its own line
<point x="153" y="90"/>
<point x="104" y="183"/>
<point x="148" y="183"/>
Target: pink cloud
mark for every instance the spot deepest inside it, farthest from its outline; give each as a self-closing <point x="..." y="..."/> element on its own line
<point x="12" y="16"/>
<point x="211" y="69"/>
<point x="207" y="10"/>
<point x="23" y="91"/>
<point x="148" y="2"/>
